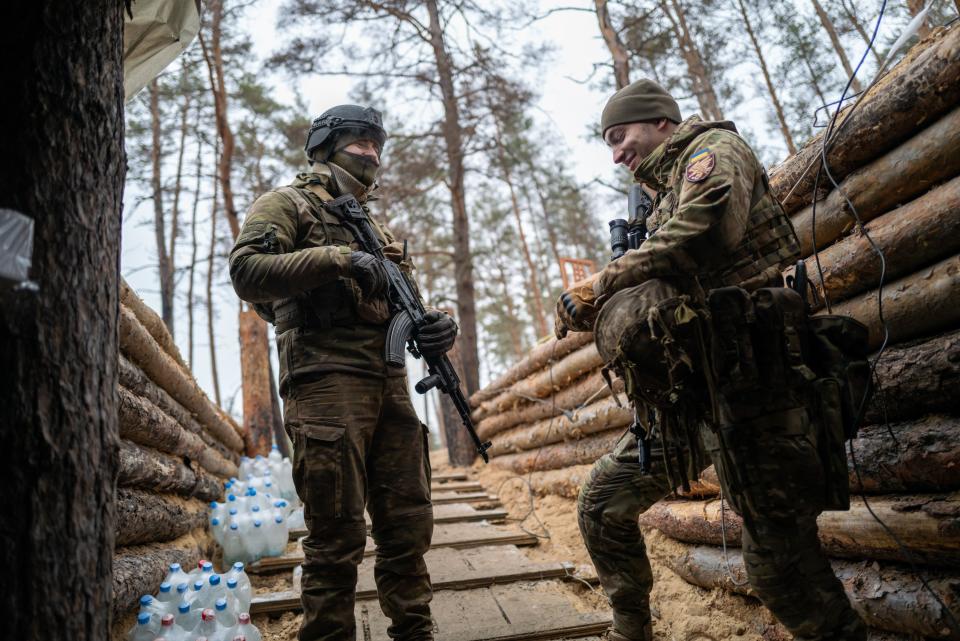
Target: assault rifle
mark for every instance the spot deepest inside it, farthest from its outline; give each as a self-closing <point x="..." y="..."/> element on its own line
<point x="408" y="312"/>
<point x="627" y="234"/>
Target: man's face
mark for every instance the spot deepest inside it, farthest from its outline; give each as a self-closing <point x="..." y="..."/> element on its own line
<point x="634" y="141"/>
<point x="366" y="148"/>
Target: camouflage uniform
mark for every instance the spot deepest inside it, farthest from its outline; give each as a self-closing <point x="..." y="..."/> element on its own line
<point x="717" y="224"/>
<point x="357" y="440"/>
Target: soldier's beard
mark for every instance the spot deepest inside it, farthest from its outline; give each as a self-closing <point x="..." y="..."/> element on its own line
<point x="363" y="168"/>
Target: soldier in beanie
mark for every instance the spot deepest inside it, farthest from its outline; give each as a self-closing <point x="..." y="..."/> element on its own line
<point x="357" y="440"/>
<point x="715" y="229"/>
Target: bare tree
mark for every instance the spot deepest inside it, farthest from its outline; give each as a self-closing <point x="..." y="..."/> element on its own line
<point x="835" y="41"/>
<point x="611" y="37"/>
<point x="159" y="223"/>
<point x="63" y="166"/>
<point x="702" y="83"/>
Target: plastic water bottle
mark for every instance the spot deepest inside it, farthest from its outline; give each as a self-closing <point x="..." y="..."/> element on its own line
<point x="217" y="588"/>
<point x="256" y="541"/>
<point x="226" y="618"/>
<point x="247" y="629"/>
<point x="295" y="520"/>
<point x="233" y="549"/>
<point x="244" y="591"/>
<point x="143" y="630"/>
<point x="187" y="618"/>
<point x="154" y="608"/>
<point x="276" y="536"/>
<point x="176" y="575"/>
<point x="216" y="527"/>
<point x="209" y="626"/>
<point x="183" y="589"/>
<point x="197" y="595"/>
<point x="168" y="630"/>
<point x="167" y="597"/>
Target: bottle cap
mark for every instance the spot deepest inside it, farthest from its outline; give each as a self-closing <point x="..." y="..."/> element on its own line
<point x="233" y="511"/>
<point x="165" y="587"/>
<point x="240" y="637"/>
<point x="143" y="618"/>
<point x="244" y="618"/>
<point x="259" y="457"/>
<point x="238" y="566"/>
<point x="214" y="521"/>
<point x="207" y="566"/>
<point x="145" y="600"/>
<point x="231" y="583"/>
<point x="274" y="447"/>
<point x="184" y="607"/>
<point x="200" y="563"/>
<point x="231" y="497"/>
<point x="255" y="508"/>
<point x="221" y="604"/>
<point x="167" y="620"/>
<point x="208" y="615"/>
<point x="174" y="567"/>
<point x="257" y="523"/>
<point x="197" y="585"/>
<point x="182" y="587"/>
<point x="213" y="505"/>
<point x="278" y="519"/>
<point x="215" y="579"/>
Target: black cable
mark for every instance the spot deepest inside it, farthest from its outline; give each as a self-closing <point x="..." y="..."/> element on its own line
<point x="825" y="168"/>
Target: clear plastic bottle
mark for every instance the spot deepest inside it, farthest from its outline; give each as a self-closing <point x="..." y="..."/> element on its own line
<point x="197" y="596"/>
<point x="183" y="589"/>
<point x="169" y="631"/>
<point x="176" y="575"/>
<point x="276" y="536"/>
<point x="233" y="595"/>
<point x="209" y="626"/>
<point x="143" y="630"/>
<point x="154" y="608"/>
<point x="187" y="618"/>
<point x="246" y="628"/>
<point x="167" y="596"/>
<point x="217" y="588"/>
<point x="233" y="548"/>
<point x="244" y="591"/>
<point x="226" y="618"/>
<point x="256" y="541"/>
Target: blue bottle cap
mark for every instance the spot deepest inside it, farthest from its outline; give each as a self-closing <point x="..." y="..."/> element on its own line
<point x="174" y="567"/>
<point x="197" y="585"/>
<point x="146" y="599"/>
<point x="278" y="519"/>
<point x="256" y="523"/>
<point x="233" y="526"/>
<point x="214" y="521"/>
<point x="255" y="508"/>
<point x="259" y="457"/>
<point x="183" y="608"/>
<point x="274" y="447"/>
<point x="182" y="587"/>
<point x="233" y="511"/>
<point x="215" y="579"/>
<point x="238" y="566"/>
<point x="278" y="503"/>
<point x="221" y="604"/>
<point x="213" y="505"/>
<point x="252" y="491"/>
<point x="231" y="497"/>
<point x="165" y="587"/>
<point x="208" y="567"/>
<point x="231" y="583"/>
<point x="143" y="618"/>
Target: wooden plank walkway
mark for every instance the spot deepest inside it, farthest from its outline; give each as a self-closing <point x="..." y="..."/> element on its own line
<point x="440" y="498"/>
<point x="457" y="486"/>
<point x="436" y="477"/>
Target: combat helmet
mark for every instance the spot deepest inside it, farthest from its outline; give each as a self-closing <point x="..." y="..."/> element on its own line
<point x="341" y="119"/>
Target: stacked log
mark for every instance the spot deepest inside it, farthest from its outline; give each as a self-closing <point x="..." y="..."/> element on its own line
<point x="896" y="163"/>
<point x="176" y="449"/>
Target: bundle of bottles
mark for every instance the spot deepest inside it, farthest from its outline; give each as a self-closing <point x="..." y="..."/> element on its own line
<point x="199" y="606"/>
<point x="261" y="509"/>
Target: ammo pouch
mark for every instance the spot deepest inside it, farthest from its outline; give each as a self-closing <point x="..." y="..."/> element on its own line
<point x="321" y="308"/>
<point x="768" y="357"/>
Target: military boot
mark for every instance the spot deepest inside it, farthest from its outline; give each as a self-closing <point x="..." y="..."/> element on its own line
<point x="613" y="635"/>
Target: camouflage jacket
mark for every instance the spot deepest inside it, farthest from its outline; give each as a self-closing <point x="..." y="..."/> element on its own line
<point x="714" y="223"/>
<point x="292" y="260"/>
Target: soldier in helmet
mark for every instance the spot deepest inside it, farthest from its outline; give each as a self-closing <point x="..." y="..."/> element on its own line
<point x="357" y="440"/>
<point x="671" y="319"/>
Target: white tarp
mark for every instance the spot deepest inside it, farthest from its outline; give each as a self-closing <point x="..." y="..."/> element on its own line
<point x="158" y="32"/>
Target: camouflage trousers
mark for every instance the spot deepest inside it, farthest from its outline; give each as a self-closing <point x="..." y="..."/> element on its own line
<point x="359" y="444"/>
<point x="781" y="551"/>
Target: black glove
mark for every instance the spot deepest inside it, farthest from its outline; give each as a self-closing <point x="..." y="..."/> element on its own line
<point x="438" y="335"/>
<point x="369" y="274"/>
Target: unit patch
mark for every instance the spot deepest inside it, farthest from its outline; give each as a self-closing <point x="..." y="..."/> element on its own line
<point x="701" y="165"/>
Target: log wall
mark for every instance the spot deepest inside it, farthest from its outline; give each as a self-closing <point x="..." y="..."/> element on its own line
<point x="176" y="449"/>
<point x="552" y="415"/>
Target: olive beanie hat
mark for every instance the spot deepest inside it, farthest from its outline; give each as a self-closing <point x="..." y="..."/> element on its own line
<point x="638" y="101"/>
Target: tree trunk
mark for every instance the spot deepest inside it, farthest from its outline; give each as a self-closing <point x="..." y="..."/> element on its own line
<point x="151" y="322"/>
<point x="193" y="247"/>
<point x="611" y="37"/>
<point x="143" y="422"/>
<point x="513" y="323"/>
<point x="918" y="90"/>
<point x="855" y="22"/>
<point x="63" y="166"/>
<point x="156" y="182"/>
<point x="600" y="416"/>
<point x="139" y="569"/>
<point x="211" y="335"/>
<point x="589" y="388"/>
<point x="145" y="517"/>
<point x="548" y="351"/>
<point x="255" y="372"/>
<point x="918" y="378"/>
<point x="886" y="596"/>
<point x="149" y="469"/>
<point x="460" y="447"/>
<point x="897" y="177"/>
<point x="560" y="455"/>
<point x="928" y="525"/>
<point x="835" y="41"/>
<point x="921" y="304"/>
<point x="910" y="237"/>
<point x="547" y="224"/>
<point x="699" y="76"/>
<point x="177" y="188"/>
<point x="781" y="118"/>
<point x="138" y="346"/>
<point x="462" y="256"/>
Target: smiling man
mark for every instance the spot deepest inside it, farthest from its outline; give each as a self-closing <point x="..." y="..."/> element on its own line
<point x="357" y="440"/>
<point x="697" y="323"/>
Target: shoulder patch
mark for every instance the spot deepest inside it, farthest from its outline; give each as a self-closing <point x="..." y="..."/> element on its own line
<point x="701" y="165"/>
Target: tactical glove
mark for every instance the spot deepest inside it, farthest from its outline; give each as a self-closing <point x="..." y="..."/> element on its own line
<point x="369" y="274"/>
<point x="577" y="308"/>
<point x="438" y="335"/>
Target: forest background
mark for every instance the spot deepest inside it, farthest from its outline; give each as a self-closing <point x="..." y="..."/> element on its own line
<point x="494" y="169"/>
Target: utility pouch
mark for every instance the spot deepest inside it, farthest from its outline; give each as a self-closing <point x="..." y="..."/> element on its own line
<point x="731" y="350"/>
<point x="838" y="349"/>
<point x="830" y="438"/>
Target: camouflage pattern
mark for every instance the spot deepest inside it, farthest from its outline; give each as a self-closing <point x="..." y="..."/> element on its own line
<point x="716" y="224"/>
<point x="357" y="440"/>
<point x="358" y="443"/>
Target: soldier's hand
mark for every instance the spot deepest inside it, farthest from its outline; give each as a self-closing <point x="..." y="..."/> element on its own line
<point x="394" y="252"/>
<point x="438" y="335"/>
<point x="369" y="274"/>
<point x="560" y="328"/>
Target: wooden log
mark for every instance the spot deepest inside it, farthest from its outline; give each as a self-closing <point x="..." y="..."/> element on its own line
<point x="918" y="90"/>
<point x="919" y="233"/>
<point x="143" y="422"/>
<point x="221" y="436"/>
<point x="148" y="469"/>
<point x="545" y="382"/>
<point x="886" y="596"/>
<point x="139" y="569"/>
<point x="537" y="358"/>
<point x="146" y="517"/>
<point x="137" y="344"/>
<point x="564" y="482"/>
<point x="917" y="378"/>
<point x="590" y="387"/>
<point x="929" y="525"/>
<point x="921" y="304"/>
<point x="897" y="177"/>
<point x="560" y="455"/>
<point x="151" y="322"/>
<point x="600" y="416"/>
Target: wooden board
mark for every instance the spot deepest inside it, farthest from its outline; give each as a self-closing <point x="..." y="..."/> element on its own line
<point x="512" y="612"/>
<point x="455" y="535"/>
<point x="450" y="569"/>
<point x="449" y="476"/>
<point x="457" y="486"/>
<point x="443" y="513"/>
<point x="439" y="498"/>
